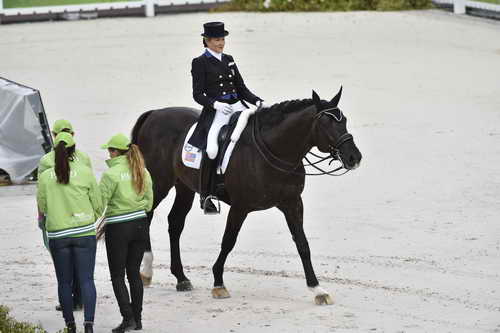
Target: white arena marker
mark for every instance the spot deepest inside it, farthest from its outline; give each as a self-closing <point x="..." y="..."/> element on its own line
<point x="459" y="6"/>
<point x="149" y="8"/>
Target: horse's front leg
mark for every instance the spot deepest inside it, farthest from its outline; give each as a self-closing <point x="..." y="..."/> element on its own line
<point x="176" y="220"/>
<point x="235" y="220"/>
<point x="294" y="212"/>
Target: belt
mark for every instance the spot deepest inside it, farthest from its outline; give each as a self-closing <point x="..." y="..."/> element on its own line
<point x="229" y="96"/>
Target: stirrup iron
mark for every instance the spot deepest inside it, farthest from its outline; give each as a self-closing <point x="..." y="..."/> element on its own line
<point x="207" y="201"/>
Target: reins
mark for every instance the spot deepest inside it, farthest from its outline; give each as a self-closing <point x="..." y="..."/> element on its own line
<point x="274" y="161"/>
<point x="289" y="168"/>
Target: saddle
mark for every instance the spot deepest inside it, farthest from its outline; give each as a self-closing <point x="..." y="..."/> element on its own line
<point x="223" y="140"/>
<point x="224" y="137"/>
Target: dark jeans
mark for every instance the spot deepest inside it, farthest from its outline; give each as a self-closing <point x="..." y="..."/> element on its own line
<point x="125" y="245"/>
<point x="77" y="294"/>
<point x="75" y="255"/>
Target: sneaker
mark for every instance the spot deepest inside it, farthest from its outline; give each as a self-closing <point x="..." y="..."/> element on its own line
<point x="138" y="325"/>
<point x="125" y="326"/>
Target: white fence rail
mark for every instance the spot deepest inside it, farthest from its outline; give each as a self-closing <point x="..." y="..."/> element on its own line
<point x="149" y="7"/>
<point x="460" y="6"/>
<point x="72" y="8"/>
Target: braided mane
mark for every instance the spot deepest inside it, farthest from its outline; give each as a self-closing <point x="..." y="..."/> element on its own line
<point x="277" y="112"/>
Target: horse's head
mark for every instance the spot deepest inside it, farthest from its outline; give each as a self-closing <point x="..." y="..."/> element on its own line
<point x="331" y="135"/>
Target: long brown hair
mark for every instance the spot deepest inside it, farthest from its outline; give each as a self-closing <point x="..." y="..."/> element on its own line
<point x="137" y="167"/>
<point x="62" y="158"/>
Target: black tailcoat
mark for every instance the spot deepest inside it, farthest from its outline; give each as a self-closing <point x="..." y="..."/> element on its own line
<point x="215" y="80"/>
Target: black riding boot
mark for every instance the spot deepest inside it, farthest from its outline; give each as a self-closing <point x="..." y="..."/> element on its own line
<point x="207" y="180"/>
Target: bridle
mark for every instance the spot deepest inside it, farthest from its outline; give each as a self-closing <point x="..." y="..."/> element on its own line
<point x="287" y="167"/>
<point x="334" y="149"/>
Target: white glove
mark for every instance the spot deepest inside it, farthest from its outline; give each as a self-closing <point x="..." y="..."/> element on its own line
<point x="223" y="107"/>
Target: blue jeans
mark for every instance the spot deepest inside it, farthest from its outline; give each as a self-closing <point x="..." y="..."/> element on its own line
<point x="75" y="255"/>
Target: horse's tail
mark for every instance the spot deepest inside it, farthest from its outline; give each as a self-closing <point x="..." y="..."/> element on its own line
<point x="138" y="125"/>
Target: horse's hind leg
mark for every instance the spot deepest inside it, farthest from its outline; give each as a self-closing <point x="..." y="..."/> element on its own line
<point x="234" y="222"/>
<point x="176" y="219"/>
<point x="294" y="212"/>
<point x="160" y="191"/>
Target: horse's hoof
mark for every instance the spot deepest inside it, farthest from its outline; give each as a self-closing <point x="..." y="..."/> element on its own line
<point x="220" y="292"/>
<point x="146" y="280"/>
<point x="184" y="286"/>
<point x="323" y="299"/>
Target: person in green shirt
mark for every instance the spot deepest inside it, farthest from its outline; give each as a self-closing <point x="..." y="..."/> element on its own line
<point x="69" y="198"/>
<point x="127" y="191"/>
<point x="47" y="162"/>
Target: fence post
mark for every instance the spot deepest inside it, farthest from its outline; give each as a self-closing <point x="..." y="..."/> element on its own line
<point x="1" y="10"/>
<point x="459" y="6"/>
<point x="149" y="8"/>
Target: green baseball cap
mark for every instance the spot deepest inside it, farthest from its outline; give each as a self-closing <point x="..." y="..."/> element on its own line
<point x="66" y="138"/>
<point x="61" y="125"/>
<point x="119" y="141"/>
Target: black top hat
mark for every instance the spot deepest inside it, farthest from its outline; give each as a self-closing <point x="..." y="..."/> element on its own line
<point x="214" y="30"/>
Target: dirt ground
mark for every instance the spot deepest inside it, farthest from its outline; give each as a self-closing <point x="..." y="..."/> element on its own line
<point x="409" y="242"/>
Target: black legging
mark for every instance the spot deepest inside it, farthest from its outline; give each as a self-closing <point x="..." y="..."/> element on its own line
<point x="125" y="245"/>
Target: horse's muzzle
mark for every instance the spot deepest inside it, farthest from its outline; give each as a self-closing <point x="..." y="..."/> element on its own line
<point x="349" y="155"/>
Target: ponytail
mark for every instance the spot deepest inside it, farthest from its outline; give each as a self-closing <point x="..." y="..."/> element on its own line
<point x="137" y="166"/>
<point x="62" y="158"/>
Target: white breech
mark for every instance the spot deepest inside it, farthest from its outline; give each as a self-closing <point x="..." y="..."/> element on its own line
<point x="220" y="120"/>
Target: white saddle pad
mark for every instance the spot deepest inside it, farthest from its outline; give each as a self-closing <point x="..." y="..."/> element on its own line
<point x="191" y="156"/>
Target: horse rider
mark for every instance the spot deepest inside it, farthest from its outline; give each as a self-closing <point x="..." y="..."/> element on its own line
<point x="47" y="162"/>
<point x="69" y="198"/>
<point x="127" y="191"/>
<point x="219" y="87"/>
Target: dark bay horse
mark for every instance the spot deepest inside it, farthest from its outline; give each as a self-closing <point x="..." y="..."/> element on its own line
<point x="265" y="171"/>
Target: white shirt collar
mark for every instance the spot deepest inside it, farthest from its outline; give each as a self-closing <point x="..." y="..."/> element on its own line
<point x="215" y="54"/>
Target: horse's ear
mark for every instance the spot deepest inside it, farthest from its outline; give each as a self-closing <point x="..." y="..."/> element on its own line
<point x="336" y="99"/>
<point x="316" y="99"/>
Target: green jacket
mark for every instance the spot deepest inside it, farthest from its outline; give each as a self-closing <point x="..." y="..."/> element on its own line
<point x="123" y="202"/>
<point x="70" y="209"/>
<point x="48" y="160"/>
